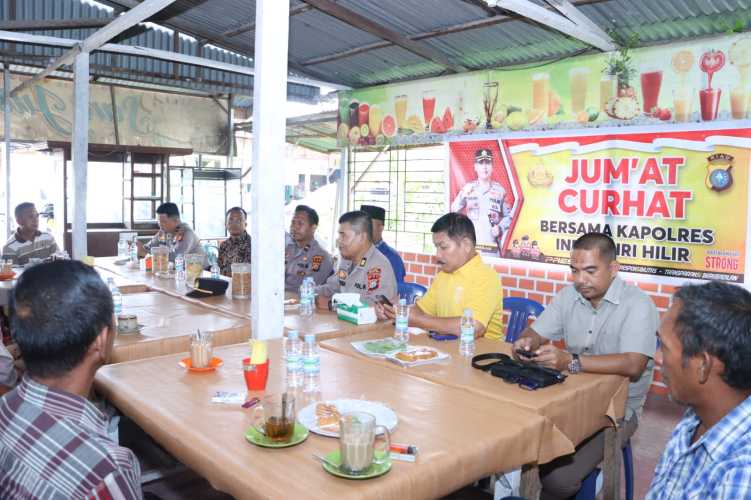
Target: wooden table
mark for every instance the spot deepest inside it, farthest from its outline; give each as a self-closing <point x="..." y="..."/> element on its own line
<point x="324" y="324"/>
<point x="461" y="436"/>
<point x="168" y="323"/>
<point x="584" y="404"/>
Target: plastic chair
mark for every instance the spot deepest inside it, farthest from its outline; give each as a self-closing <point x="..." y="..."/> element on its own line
<point x="588" y="490"/>
<point x="411" y="291"/>
<point x="521" y="309"/>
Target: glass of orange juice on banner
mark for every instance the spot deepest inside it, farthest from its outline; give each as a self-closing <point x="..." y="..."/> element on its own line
<point x="374" y="119"/>
<point x="400" y="108"/>
<point x="740" y="57"/>
<point x="577" y="78"/>
<point x="540" y="92"/>
<point x="683" y="103"/>
<point x="607" y="90"/>
<point x="682" y="62"/>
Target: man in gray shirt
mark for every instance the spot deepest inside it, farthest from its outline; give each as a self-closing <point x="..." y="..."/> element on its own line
<point x="362" y="268"/>
<point x="304" y="256"/>
<point x="173" y="233"/>
<point x="609" y="327"/>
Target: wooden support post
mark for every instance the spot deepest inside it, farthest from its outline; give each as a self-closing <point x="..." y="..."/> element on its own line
<point x="267" y="175"/>
<point x="80" y="152"/>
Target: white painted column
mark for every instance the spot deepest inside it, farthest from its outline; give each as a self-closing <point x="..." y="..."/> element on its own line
<point x="80" y="152"/>
<point x="267" y="176"/>
<point x="9" y="217"/>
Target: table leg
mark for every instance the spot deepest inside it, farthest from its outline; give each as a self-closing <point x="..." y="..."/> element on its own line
<point x="611" y="465"/>
<point x="530" y="486"/>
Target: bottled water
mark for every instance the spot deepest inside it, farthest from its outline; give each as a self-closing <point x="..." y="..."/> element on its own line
<point x="134" y="250"/>
<point x="179" y="269"/>
<point x="311" y="364"/>
<point x="117" y="297"/>
<point x="215" y="270"/>
<point x="401" y="332"/>
<point x="467" y="337"/>
<point x="307" y="297"/>
<point x="293" y="359"/>
<point x="122" y="249"/>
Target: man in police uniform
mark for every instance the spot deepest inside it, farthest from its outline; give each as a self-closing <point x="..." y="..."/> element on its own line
<point x="362" y="268"/>
<point x="304" y="256"/>
<point x="485" y="203"/>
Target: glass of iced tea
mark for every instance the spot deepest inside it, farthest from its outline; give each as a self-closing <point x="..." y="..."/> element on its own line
<point x="193" y="268"/>
<point x="276" y="417"/>
<point x="161" y="261"/>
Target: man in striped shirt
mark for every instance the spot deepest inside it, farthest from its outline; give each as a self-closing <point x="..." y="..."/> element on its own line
<point x="28" y="242"/>
<point x="705" y="340"/>
<point x="54" y="442"/>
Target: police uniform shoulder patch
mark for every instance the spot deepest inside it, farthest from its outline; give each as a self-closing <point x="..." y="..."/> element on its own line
<point x="374" y="278"/>
<point x="363" y="261"/>
<point x="317" y="260"/>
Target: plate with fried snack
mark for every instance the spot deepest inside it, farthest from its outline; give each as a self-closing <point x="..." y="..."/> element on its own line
<point x="323" y="417"/>
<point x="417" y="355"/>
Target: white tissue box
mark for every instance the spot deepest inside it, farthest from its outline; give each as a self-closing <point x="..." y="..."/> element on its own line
<point x="357" y="314"/>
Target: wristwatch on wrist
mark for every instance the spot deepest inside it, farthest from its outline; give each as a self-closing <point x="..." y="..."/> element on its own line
<point x="574" y="366"/>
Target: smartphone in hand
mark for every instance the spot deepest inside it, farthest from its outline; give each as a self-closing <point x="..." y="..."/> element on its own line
<point x="383" y="300"/>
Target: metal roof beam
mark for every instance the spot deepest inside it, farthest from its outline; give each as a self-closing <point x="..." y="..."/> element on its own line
<point x="471" y="25"/>
<point x="55" y="24"/>
<point x="556" y="21"/>
<point x="244" y="28"/>
<point x="134" y="16"/>
<point x="363" y="23"/>
<point x="576" y="16"/>
<point x="133" y="50"/>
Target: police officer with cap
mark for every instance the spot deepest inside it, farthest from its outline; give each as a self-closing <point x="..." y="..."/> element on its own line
<point x="485" y="204"/>
<point x="362" y="269"/>
<point x="304" y="256"/>
<point x="378" y="215"/>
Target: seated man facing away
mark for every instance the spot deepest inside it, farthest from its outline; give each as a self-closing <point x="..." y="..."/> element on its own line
<point x="54" y="442"/>
<point x="28" y="242"/>
<point x="378" y="216"/>
<point x="305" y="256"/>
<point x="172" y="232"/>
<point x="236" y="248"/>
<point x="362" y="268"/>
<point x="705" y="342"/>
<point x="609" y="327"/>
<point x="464" y="281"/>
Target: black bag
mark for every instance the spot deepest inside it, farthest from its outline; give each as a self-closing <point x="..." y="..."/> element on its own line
<point x="528" y="376"/>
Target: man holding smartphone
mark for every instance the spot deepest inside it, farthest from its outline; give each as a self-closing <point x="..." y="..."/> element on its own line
<point x="609" y="327"/>
<point x="464" y="281"/>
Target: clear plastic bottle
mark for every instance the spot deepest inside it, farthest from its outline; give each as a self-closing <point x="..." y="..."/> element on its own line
<point x="401" y="332"/>
<point x="467" y="337"/>
<point x="179" y="269"/>
<point x="307" y="297"/>
<point x="215" y="270"/>
<point x="117" y="297"/>
<point x="311" y="364"/>
<point x="293" y="359"/>
<point x="134" y="250"/>
<point x="122" y="249"/>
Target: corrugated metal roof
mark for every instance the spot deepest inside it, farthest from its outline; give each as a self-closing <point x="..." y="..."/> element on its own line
<point x="141" y="69"/>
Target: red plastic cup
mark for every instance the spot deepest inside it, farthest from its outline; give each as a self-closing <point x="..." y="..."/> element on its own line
<point x="255" y="375"/>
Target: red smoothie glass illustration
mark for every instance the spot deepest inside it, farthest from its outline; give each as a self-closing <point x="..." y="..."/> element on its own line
<point x="651" y="81"/>
<point x="710" y="63"/>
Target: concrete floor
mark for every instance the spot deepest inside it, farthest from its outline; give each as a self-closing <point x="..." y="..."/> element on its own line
<point x="659" y="418"/>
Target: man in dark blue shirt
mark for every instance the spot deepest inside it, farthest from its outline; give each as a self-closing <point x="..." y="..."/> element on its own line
<point x="378" y="216"/>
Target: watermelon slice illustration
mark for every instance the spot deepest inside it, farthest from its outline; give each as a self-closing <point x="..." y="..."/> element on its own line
<point x="388" y="126"/>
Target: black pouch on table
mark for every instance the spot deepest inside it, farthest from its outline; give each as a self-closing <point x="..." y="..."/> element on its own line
<point x="528" y="376"/>
<point x="207" y="287"/>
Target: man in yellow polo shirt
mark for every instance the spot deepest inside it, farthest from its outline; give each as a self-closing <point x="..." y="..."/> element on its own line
<point x="464" y="281"/>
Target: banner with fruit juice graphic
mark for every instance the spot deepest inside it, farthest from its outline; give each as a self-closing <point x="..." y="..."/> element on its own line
<point x="675" y="203"/>
<point x="700" y="81"/>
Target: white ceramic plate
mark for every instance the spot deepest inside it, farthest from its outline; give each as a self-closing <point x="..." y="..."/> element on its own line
<point x="384" y="415"/>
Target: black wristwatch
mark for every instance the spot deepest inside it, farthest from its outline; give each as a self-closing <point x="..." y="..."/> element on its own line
<point x="574" y="366"/>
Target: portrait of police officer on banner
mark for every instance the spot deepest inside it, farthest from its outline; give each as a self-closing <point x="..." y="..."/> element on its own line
<point x="484" y="201"/>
